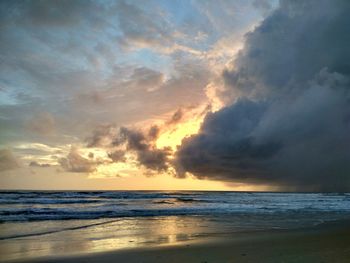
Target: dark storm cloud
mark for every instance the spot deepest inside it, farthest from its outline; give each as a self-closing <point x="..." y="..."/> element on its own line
<point x="289" y="122"/>
<point x="264" y="5"/>
<point x="147" y="154"/>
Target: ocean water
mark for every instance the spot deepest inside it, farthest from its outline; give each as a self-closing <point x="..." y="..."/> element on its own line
<point x="34" y="223"/>
<point x="35" y="206"/>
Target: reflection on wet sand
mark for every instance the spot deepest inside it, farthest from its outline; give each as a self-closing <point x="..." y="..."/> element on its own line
<point x="67" y="237"/>
<point x="118" y="234"/>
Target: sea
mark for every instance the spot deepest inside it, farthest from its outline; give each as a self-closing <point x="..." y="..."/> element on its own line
<point x="55" y="223"/>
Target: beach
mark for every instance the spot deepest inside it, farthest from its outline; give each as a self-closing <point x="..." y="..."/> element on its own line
<point x="160" y="226"/>
<point x="145" y="131"/>
<point x="325" y="243"/>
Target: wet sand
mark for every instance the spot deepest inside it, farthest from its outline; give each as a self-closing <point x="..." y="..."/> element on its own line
<point x="326" y="243"/>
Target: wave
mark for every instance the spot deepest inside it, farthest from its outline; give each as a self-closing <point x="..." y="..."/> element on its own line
<point x="55" y="230"/>
<point x="36" y="206"/>
<point x="45" y="214"/>
<point x="47" y="201"/>
<point x="97" y="194"/>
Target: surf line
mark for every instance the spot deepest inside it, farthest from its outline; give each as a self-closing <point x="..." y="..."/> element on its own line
<point x="57" y="230"/>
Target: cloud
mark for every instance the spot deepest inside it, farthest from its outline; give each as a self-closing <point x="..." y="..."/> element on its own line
<point x="154" y="132"/>
<point x="42" y="124"/>
<point x="117" y="156"/>
<point x="7" y="160"/>
<point x="72" y="59"/>
<point x="134" y="94"/>
<point x="147" y="79"/>
<point x="119" y="62"/>
<point x="177" y="116"/>
<point x="76" y="163"/>
<point x="288" y="124"/>
<point x="36" y="164"/>
<point x="151" y="32"/>
<point x="102" y="136"/>
<point x="120" y="141"/>
<point x="41" y="13"/>
<point x="264" y="6"/>
<point x="147" y="154"/>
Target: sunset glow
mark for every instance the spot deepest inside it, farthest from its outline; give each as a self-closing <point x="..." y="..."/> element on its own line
<point x="163" y="131"/>
<point x="205" y="91"/>
<point x="173" y="137"/>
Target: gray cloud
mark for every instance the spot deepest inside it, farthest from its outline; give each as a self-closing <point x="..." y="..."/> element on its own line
<point x="36" y="164"/>
<point x="119" y="141"/>
<point x="156" y="32"/>
<point x="289" y="122"/>
<point x="264" y="6"/>
<point x="177" y="116"/>
<point x="147" y="154"/>
<point x="56" y="13"/>
<point x="76" y="163"/>
<point x="153" y="132"/>
<point x="7" y="160"/>
<point x="117" y="156"/>
<point x="42" y="124"/>
<point x="147" y="79"/>
<point x="102" y="136"/>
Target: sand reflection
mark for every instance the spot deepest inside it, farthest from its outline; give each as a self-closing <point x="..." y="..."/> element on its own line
<point x="110" y="235"/>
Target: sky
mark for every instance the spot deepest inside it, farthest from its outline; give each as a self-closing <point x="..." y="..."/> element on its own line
<point x="175" y="95"/>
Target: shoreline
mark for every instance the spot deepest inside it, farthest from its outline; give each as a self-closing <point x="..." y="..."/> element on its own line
<point x="327" y="242"/>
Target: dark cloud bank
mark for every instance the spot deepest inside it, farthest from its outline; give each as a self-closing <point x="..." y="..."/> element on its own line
<point x="290" y="125"/>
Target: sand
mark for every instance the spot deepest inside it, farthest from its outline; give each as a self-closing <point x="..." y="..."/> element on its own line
<point x="326" y="243"/>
